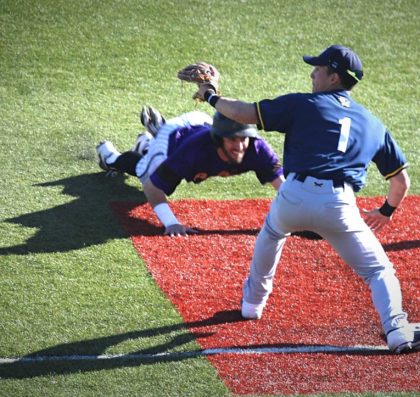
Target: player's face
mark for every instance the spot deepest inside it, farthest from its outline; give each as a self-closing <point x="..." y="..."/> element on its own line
<point x="322" y="80"/>
<point x="233" y="150"/>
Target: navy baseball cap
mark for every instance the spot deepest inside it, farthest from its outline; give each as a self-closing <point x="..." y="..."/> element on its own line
<point x="225" y="127"/>
<point x="341" y="59"/>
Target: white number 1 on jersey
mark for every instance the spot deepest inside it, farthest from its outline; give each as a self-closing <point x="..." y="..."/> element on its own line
<point x="344" y="134"/>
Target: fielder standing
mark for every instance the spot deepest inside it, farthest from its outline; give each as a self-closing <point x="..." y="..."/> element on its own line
<point x="329" y="142"/>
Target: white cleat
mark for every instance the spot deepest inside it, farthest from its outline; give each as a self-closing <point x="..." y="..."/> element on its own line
<point x="151" y="119"/>
<point x="252" y="311"/>
<point x="405" y="339"/>
<point x="107" y="155"/>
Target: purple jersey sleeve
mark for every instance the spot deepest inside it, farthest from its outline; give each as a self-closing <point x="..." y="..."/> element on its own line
<point x="186" y="161"/>
<point x="267" y="163"/>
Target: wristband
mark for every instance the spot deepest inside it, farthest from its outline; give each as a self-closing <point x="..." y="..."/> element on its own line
<point x="165" y="215"/>
<point x="208" y="93"/>
<point x="211" y="97"/>
<point x="387" y="209"/>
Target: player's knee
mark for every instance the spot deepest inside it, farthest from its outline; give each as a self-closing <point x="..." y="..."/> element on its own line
<point x="377" y="272"/>
<point x="126" y="163"/>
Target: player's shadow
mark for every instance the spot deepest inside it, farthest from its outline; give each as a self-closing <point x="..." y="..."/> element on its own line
<point x="88" y="219"/>
<point x="402" y="245"/>
<point x="90" y="355"/>
<point x="85" y="221"/>
<point x="98" y="346"/>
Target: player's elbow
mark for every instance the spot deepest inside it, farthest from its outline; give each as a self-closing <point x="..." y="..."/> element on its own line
<point x="405" y="180"/>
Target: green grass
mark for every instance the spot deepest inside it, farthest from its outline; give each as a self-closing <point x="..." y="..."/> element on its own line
<point x="75" y="72"/>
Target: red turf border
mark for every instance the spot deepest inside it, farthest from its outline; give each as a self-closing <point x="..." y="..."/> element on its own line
<point x="324" y="304"/>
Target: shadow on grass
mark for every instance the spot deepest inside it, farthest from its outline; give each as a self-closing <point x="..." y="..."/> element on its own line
<point x="80" y="356"/>
<point x="89" y="355"/>
<point x="88" y="220"/>
<point x="83" y="222"/>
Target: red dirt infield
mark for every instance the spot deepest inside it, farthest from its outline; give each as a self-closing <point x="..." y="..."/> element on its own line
<point x="317" y="300"/>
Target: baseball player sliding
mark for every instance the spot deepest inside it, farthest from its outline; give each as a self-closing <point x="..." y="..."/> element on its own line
<point x="330" y="139"/>
<point x="190" y="147"/>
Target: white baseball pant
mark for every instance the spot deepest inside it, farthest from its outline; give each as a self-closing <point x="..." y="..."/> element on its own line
<point x="331" y="212"/>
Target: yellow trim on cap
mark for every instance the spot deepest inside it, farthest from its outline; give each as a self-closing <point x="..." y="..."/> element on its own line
<point x="397" y="171"/>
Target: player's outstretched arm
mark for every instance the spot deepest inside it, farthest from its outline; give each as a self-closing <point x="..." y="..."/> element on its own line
<point x="240" y="111"/>
<point x="157" y="199"/>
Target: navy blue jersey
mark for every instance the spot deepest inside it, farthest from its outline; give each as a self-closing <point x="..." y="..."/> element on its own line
<point x="192" y="156"/>
<point x="330" y="136"/>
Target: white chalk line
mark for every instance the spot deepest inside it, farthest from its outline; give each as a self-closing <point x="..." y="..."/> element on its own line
<point x="197" y="353"/>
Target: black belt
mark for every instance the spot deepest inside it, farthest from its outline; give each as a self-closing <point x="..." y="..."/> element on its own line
<point x="302" y="177"/>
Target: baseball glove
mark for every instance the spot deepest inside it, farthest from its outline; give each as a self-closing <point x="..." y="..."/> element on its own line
<point x="201" y="73"/>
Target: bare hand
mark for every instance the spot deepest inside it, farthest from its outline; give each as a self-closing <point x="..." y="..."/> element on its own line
<point x="178" y="230"/>
<point x="375" y="220"/>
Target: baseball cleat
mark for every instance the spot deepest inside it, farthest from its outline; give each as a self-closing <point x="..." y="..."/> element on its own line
<point x="151" y="119"/>
<point x="107" y="155"/>
<point x="405" y="339"/>
<point x="252" y="311"/>
<point x="142" y="143"/>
